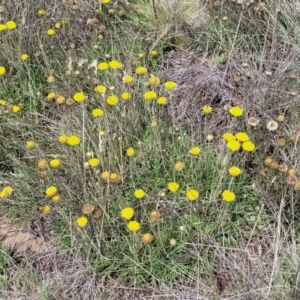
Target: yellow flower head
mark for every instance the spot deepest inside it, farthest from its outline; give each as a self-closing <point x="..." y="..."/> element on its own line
<point x="41" y="12"/>
<point x="79" y="97"/>
<point x="228" y="196"/>
<point x="3" y="194"/>
<point x="114" y="64"/>
<point x="173" y="187"/>
<point x="11" y="25"/>
<point x="55" y="163"/>
<point x="236" y="111"/>
<point x="133" y="226"/>
<point x="56" y="198"/>
<point x="234" y="171"/>
<point x="63" y="139"/>
<point x="162" y="101"/>
<point x="248" y="146"/>
<point x="24" y="56"/>
<point x="50" y="31"/>
<point x="154" y="214"/>
<point x="100" y="89"/>
<point x="192" y="195"/>
<point x="102" y="66"/>
<point x="179" y="166"/>
<point x="228" y="137"/>
<point x="2" y="70"/>
<point x="43" y="163"/>
<point x="15" y="108"/>
<point x="234" y="145"/>
<point x="97" y="112"/>
<point x="127" y="213"/>
<point x="139" y="194"/>
<point x="51" y="96"/>
<point x="82" y="221"/>
<point x="141" y="70"/>
<point x="130" y="151"/>
<point x="112" y="100"/>
<point x="46" y="209"/>
<point x="153" y="80"/>
<point x="150" y="95"/>
<point x="280" y="118"/>
<point x="57" y="25"/>
<point x="170" y="85"/>
<point x="2" y="27"/>
<point x="125" y="96"/>
<point x="206" y="109"/>
<point x="73" y="140"/>
<point x="105" y="1"/>
<point x="127" y="79"/>
<point x="242" y="136"/>
<point x="94" y="162"/>
<point x="30" y="144"/>
<point x="195" y="151"/>
<point x="147" y="238"/>
<point x="153" y="53"/>
<point x="2" y="102"/>
<point x="51" y="191"/>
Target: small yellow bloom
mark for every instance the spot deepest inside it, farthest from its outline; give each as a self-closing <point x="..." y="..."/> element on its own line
<point x="24" y="56"/>
<point x="130" y="151"/>
<point x="2" y="70"/>
<point x="192" y="195"/>
<point x="57" y="25"/>
<point x="153" y="80"/>
<point x="46" y="209"/>
<point x="150" y="95"/>
<point x="228" y="196"/>
<point x="43" y="163"/>
<point x="179" y="166"/>
<point x="51" y="191"/>
<point x="141" y="70"/>
<point x="63" y="139"/>
<point x="100" y="89"/>
<point x="15" y="108"/>
<point x="82" y="221"/>
<point x="41" y="12"/>
<point x="147" y="238"/>
<point x="234" y="171"/>
<point x="112" y="100"/>
<point x="127" y="213"/>
<point x="236" y="111"/>
<point x="30" y="144"/>
<point x="125" y="96"/>
<point x="127" y="79"/>
<point x="102" y="66"/>
<point x="2" y="102"/>
<point x="280" y="118"/>
<point x="162" y="101"/>
<point x="242" y="136"/>
<point x="73" y="140"/>
<point x="248" y="146"/>
<point x="94" y="162"/>
<point x="105" y="175"/>
<point x="105" y="1"/>
<point x="173" y="187"/>
<point x="97" y="112"/>
<point x="114" y="64"/>
<point x="234" y="145"/>
<point x="114" y="177"/>
<point x="50" y="31"/>
<point x="79" y="97"/>
<point x="51" y="96"/>
<point x="139" y="194"/>
<point x="206" y="109"/>
<point x="55" y="163"/>
<point x="170" y="85"/>
<point x="228" y="137"/>
<point x="153" y="124"/>
<point x="195" y="151"/>
<point x="11" y="25"/>
<point x="153" y="53"/>
<point x="2" y="27"/>
<point x="154" y="214"/>
<point x="133" y="226"/>
<point x="56" y="198"/>
<point x="4" y="194"/>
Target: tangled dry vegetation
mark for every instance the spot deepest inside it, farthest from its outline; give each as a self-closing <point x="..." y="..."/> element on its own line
<point x="149" y="149"/>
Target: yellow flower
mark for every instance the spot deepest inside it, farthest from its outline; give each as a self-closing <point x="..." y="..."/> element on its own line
<point x="173" y="187"/>
<point x="153" y="80"/>
<point x="46" y="209"/>
<point x="79" y="97"/>
<point x="8" y="189"/>
<point x="179" y="166"/>
<point x="139" y="194"/>
<point x="248" y="146"/>
<point x="195" y="151"/>
<point x="280" y="118"/>
<point x="130" y="151"/>
<point x="2" y="70"/>
<point x="30" y="144"/>
<point x="234" y="145"/>
<point x="15" y="108"/>
<point x="41" y="12"/>
<point x="236" y="111"/>
<point x="228" y="196"/>
<point x="51" y="191"/>
<point x="105" y="1"/>
<point x="43" y="163"/>
<point x="127" y="213"/>
<point x="24" y="56"/>
<point x="73" y="140"/>
<point x="234" y="171"/>
<point x="11" y="25"/>
<point x="133" y="226"/>
<point x="114" y="64"/>
<point x="153" y="53"/>
<point x="82" y="221"/>
<point x="242" y="136"/>
<point x="63" y="139"/>
<point x="192" y="195"/>
<point x="2" y="27"/>
<point x="50" y="31"/>
<point x="3" y="194"/>
<point x="162" y="100"/>
<point x="127" y="79"/>
<point x="97" y="112"/>
<point x="206" y="109"/>
<point x="125" y="96"/>
<point x="94" y="162"/>
<point x="102" y="66"/>
<point x="147" y="238"/>
<point x="57" y="25"/>
<point x="2" y="102"/>
<point x="54" y="163"/>
<point x="150" y="95"/>
<point x="105" y="175"/>
<point x="51" y="96"/>
<point x="114" y="177"/>
<point x="170" y="85"/>
<point x="154" y="214"/>
<point x="112" y="100"/>
<point x="56" y="198"/>
<point x="100" y="89"/>
<point x="228" y="137"/>
<point x="141" y="70"/>
<point x="60" y="99"/>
